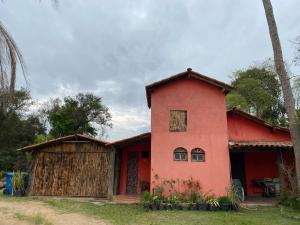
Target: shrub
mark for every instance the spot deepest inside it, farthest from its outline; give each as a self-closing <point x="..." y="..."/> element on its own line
<point x="146" y="197"/>
<point x="233" y="196"/>
<point x="2" y="174"/>
<point x="17" y="182"/>
<point x="173" y="199"/>
<point x="289" y="200"/>
<point x="224" y="200"/>
<point x="213" y="202"/>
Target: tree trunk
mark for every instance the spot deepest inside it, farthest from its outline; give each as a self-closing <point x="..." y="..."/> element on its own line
<point x="289" y="101"/>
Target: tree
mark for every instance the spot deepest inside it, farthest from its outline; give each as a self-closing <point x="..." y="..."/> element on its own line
<point x="83" y="114"/>
<point x="296" y="90"/>
<point x="18" y="128"/>
<point x="10" y="55"/>
<point x="257" y="91"/>
<point x="297" y="57"/>
<point x="289" y="101"/>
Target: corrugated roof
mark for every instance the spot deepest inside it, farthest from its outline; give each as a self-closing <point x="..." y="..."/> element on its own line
<point x="77" y="137"/>
<point x="187" y="74"/>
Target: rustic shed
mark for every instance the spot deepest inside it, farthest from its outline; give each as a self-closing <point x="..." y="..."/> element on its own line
<point x="71" y="166"/>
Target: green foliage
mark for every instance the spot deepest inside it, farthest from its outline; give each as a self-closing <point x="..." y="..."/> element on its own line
<point x="257" y="91"/>
<point x="81" y="114"/>
<point x="2" y="174"/>
<point x="233" y="196"/>
<point x="18" y="128"/>
<point x="146" y="197"/>
<point x="17" y="182"/>
<point x="289" y="200"/>
<point x="42" y="138"/>
<point x="224" y="200"/>
<point x="212" y="201"/>
<point x="234" y="99"/>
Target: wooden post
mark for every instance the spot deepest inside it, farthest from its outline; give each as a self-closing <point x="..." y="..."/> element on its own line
<point x="280" y="165"/>
<point x="110" y="190"/>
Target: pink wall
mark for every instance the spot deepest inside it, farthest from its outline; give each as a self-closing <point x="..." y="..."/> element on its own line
<point x="242" y="129"/>
<point x="207" y="129"/>
<point x="143" y="164"/>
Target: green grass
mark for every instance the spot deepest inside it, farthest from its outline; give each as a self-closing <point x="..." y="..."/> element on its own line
<point x="134" y="214"/>
<point x="36" y="219"/>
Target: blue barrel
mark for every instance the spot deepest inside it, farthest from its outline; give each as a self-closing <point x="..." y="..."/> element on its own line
<point x="8" y="185"/>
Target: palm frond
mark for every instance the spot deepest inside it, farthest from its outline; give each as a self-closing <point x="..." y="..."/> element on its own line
<point x="10" y="56"/>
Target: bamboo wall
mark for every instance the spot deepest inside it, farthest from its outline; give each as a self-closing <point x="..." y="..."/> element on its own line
<point x="70" y="169"/>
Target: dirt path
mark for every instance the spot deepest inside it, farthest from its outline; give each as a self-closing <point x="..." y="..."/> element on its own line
<point x="24" y="213"/>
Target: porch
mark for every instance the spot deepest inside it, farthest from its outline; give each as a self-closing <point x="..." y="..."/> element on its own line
<point x="132" y="168"/>
<point x="256" y="163"/>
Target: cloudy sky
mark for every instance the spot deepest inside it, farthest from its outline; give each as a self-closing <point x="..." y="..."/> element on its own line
<point x="114" y="48"/>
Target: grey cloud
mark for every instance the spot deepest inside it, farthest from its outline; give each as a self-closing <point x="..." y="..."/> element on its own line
<point x="115" y="48"/>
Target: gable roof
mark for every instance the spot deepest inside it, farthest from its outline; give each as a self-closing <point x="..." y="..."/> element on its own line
<point x="69" y="138"/>
<point x="256" y="119"/>
<point x="189" y="73"/>
<point x="131" y="140"/>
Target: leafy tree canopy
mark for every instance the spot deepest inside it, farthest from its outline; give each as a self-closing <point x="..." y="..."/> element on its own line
<point x="257" y="91"/>
<point x="83" y="114"/>
<point x="18" y="128"/>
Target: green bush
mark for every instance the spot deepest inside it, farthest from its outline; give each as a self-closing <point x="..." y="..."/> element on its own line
<point x="224" y="200"/>
<point x="289" y="200"/>
<point x="2" y="174"/>
<point x="146" y="197"/>
<point x="17" y="182"/>
<point x="233" y="196"/>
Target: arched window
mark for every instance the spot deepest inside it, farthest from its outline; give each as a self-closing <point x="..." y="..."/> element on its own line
<point x="180" y="154"/>
<point x="198" y="155"/>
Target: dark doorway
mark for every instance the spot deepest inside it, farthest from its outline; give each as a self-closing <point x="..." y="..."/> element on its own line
<point x="132" y="173"/>
<point x="238" y="168"/>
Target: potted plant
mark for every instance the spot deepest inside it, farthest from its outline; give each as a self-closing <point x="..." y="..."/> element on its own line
<point x="18" y="184"/>
<point x="156" y="202"/>
<point x="201" y="205"/>
<point x="172" y="201"/>
<point x="213" y="204"/>
<point x="225" y="203"/>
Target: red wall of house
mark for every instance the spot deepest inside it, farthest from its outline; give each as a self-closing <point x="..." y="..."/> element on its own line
<point x="206" y="129"/>
<point x="143" y="165"/>
<point x="260" y="165"/>
<point x="243" y="129"/>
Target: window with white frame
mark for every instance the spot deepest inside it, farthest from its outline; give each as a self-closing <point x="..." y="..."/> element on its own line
<point x="198" y="155"/>
<point x="180" y="154"/>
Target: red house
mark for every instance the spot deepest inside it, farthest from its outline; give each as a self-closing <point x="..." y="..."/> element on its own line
<point x="194" y="136"/>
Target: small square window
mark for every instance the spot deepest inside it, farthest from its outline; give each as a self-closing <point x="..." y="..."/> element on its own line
<point x="178" y="120"/>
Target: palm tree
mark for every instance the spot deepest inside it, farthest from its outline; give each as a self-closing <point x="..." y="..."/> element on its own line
<point x="289" y="101"/>
<point x="10" y="56"/>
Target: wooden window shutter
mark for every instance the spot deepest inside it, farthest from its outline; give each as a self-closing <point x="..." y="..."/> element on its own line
<point x="178" y="120"/>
